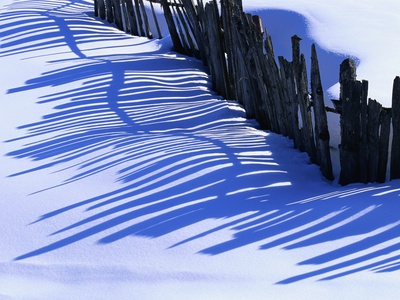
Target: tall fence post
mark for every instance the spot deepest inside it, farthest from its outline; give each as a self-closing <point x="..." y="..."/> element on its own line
<point x="395" y="153"/>
<point x="321" y="120"/>
<point x="350" y="93"/>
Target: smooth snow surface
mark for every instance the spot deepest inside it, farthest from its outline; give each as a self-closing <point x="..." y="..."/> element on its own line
<point x="123" y="176"/>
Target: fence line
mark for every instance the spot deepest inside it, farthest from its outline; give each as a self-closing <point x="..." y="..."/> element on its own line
<point x="242" y="65"/>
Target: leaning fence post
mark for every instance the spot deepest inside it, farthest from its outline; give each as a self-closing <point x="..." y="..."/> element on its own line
<point x="171" y="27"/>
<point x="321" y="120"/>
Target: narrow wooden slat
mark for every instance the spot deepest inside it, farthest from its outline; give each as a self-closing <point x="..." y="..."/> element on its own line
<point x="350" y="94"/>
<point x="178" y="47"/>
<point x="395" y="152"/>
<point x="321" y="120"/>
<point x="385" y="119"/>
<point x="364" y="149"/>
<point x="374" y="112"/>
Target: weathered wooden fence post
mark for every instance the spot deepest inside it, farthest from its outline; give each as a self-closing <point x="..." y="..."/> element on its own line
<point x="395" y="153"/>
<point x="289" y="89"/>
<point x="374" y="111"/>
<point x="384" y="119"/>
<point x="350" y="94"/>
<point x="321" y="120"/>
<point x="364" y="149"/>
<point x="178" y="47"/>
<point x="155" y="20"/>
<point x="300" y="73"/>
<point x="109" y="11"/>
<point x="215" y="49"/>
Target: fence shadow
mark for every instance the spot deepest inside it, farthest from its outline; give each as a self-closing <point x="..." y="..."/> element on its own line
<point x="183" y="155"/>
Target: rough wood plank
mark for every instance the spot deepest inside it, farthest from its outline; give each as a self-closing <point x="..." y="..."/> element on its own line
<point x="288" y="82"/>
<point x="109" y="11"/>
<point x="171" y="27"/>
<point x="101" y="9"/>
<point x="321" y="120"/>
<point x="305" y="109"/>
<point x="139" y="18"/>
<point x="385" y="119"/>
<point x="350" y="94"/>
<point x="274" y="86"/>
<point x="155" y="20"/>
<point x="364" y="150"/>
<point x="187" y="32"/>
<point x="117" y="14"/>
<point x="395" y="153"/>
<point x="146" y="31"/>
<point x="374" y="111"/>
<point x="195" y="25"/>
<point x="132" y="18"/>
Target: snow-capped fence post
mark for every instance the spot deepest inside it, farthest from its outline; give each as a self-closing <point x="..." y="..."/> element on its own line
<point x="395" y="151"/>
<point x="321" y="120"/>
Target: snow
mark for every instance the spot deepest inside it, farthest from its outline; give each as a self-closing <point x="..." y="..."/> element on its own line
<point x="125" y="177"/>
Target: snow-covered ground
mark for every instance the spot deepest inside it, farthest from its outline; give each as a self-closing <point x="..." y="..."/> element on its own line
<point x="123" y="176"/>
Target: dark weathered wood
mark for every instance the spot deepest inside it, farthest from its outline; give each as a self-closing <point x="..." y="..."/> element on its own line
<point x="226" y="20"/>
<point x="256" y="70"/>
<point x="245" y="87"/>
<point x="171" y="27"/>
<point x="109" y="11"/>
<point x="321" y="120"/>
<point x="125" y="16"/>
<point x="395" y="151"/>
<point x="182" y="35"/>
<point x="146" y="30"/>
<point x="274" y="86"/>
<point x="385" y="119"/>
<point x="296" y="71"/>
<point x="101" y="8"/>
<point x="364" y="150"/>
<point x="96" y="8"/>
<point x="350" y="94"/>
<point x="117" y="14"/>
<point x="139" y="18"/>
<point x="192" y="49"/>
<point x="196" y="28"/>
<point x="155" y="20"/>
<point x="289" y="88"/>
<point x="132" y="18"/>
<point x="217" y="62"/>
<point x="374" y="111"/>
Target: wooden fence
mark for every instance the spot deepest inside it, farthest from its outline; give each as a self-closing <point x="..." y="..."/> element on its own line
<point x="128" y="15"/>
<point x="240" y="57"/>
